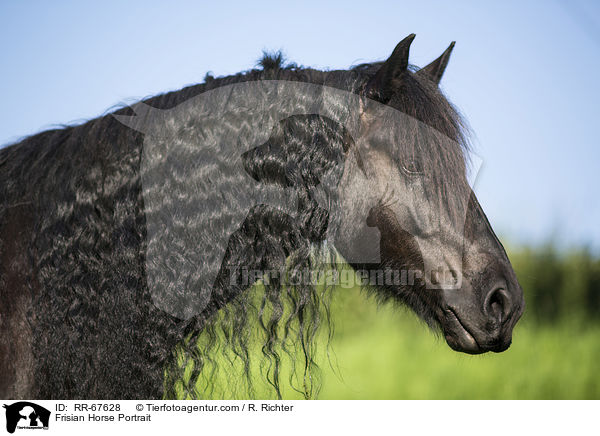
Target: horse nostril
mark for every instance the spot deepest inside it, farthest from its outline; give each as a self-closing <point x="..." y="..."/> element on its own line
<point x="497" y="304"/>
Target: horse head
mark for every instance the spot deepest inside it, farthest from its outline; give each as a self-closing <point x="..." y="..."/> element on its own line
<point x="411" y="215"/>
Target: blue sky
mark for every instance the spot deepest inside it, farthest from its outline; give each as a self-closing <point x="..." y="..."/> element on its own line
<point x="524" y="74"/>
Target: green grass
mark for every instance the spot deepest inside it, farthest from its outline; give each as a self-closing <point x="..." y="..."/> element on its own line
<point x="387" y="353"/>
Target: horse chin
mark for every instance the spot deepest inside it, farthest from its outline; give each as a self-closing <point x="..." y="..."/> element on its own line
<point x="457" y="335"/>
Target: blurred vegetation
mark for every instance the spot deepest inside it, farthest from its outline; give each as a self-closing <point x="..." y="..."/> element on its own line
<point x="559" y="286"/>
<point x="381" y="352"/>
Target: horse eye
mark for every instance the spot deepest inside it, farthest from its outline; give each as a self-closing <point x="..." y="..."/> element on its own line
<point x="412" y="167"/>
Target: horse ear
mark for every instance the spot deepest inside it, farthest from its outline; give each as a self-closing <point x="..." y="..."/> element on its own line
<point x="381" y="85"/>
<point x="435" y="70"/>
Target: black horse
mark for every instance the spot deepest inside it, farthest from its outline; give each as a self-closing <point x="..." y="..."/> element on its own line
<point x="142" y="230"/>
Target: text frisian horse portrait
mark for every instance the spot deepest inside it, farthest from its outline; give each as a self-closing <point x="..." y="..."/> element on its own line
<point x="137" y="246"/>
